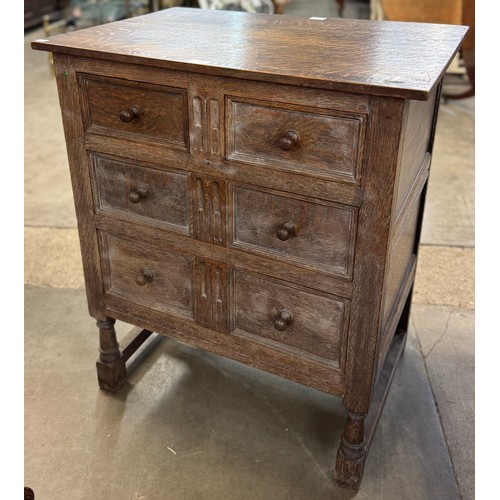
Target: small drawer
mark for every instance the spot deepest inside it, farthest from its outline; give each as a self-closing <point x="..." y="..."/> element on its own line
<point x="318" y="142"/>
<point x="142" y="274"/>
<point x="141" y="193"/>
<point x="317" y="234"/>
<point x="136" y="111"/>
<point x="307" y="321"/>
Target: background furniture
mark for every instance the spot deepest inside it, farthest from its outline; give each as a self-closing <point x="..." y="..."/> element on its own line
<point x="468" y="49"/>
<point x="83" y="13"/>
<point x="423" y="11"/>
<point x="79" y="14"/>
<point x="443" y="12"/>
<point x="270" y="216"/>
<point x="279" y="6"/>
<point x="253" y="6"/>
<point x="34" y="10"/>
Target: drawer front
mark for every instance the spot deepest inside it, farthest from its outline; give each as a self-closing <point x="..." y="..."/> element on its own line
<point x="141" y="193"/>
<point x="326" y="145"/>
<point x="313" y="234"/>
<point x="136" y="111"/>
<point x="291" y="316"/>
<point x="147" y="276"/>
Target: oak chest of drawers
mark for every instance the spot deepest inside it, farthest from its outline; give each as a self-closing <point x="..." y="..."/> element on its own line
<point x="254" y="185"/>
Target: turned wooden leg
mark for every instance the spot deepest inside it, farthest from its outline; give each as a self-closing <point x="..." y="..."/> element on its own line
<point x="352" y="453"/>
<point x="111" y="372"/>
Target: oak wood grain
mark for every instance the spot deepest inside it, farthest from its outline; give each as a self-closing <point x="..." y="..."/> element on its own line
<point x="209" y="206"/>
<point x="304" y="370"/>
<point x="384" y="145"/>
<point x="350" y="461"/>
<point x="384" y="130"/>
<point x="417" y="137"/>
<point x="142" y="274"/>
<point x="206" y="123"/>
<point x="212" y="295"/>
<point x="139" y="192"/>
<point x="205" y="85"/>
<point x="414" y="192"/>
<point x="396" y="315"/>
<point x="402" y="251"/>
<point x="292" y="138"/>
<point x="111" y="369"/>
<point x="322" y="237"/>
<point x="79" y="166"/>
<point x="162" y="157"/>
<point x="289" y="316"/>
<point x="382" y="58"/>
<point x="141" y="111"/>
<point x="174" y="242"/>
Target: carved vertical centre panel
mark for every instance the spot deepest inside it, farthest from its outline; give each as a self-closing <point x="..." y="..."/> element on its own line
<point x="209" y="209"/>
<point x="214" y="127"/>
<point x="205" y="126"/>
<point x="198" y="106"/>
<point x="211" y="301"/>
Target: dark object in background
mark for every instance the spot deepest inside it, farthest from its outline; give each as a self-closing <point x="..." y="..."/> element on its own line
<point x="28" y="494"/>
<point x="34" y="10"/>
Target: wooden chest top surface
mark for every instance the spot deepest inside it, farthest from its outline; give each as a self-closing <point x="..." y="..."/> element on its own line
<point x="376" y="57"/>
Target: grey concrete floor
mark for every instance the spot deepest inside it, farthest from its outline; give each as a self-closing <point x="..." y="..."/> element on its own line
<point x="192" y="425"/>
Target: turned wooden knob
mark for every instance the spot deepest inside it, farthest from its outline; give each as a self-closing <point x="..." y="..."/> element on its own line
<point x="283" y="320"/>
<point x="289" y="140"/>
<point x="286" y="230"/>
<point x="127" y="115"/>
<point x="144" y="277"/>
<point x="137" y="195"/>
